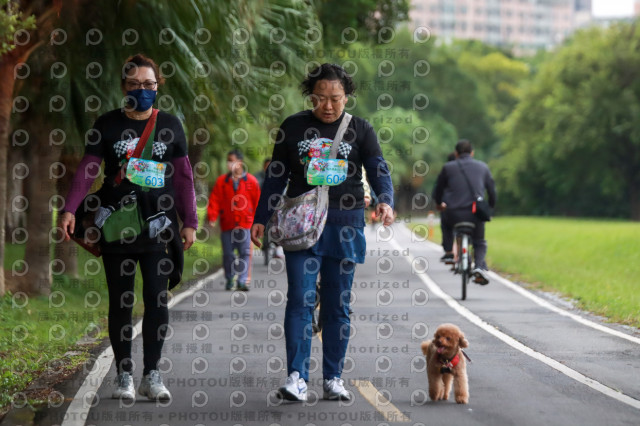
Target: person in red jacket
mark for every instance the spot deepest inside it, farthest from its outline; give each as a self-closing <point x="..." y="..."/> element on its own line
<point x="234" y="198"/>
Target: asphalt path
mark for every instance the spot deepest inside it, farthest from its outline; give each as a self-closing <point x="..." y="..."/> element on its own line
<point x="535" y="362"/>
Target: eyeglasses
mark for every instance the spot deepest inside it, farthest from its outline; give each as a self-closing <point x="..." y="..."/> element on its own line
<point x="135" y="85"/>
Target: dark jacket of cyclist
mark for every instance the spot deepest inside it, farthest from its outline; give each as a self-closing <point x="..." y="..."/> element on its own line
<point x="455" y="199"/>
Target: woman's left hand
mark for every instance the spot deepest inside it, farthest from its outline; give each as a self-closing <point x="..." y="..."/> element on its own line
<point x="188" y="236"/>
<point x="385" y="213"/>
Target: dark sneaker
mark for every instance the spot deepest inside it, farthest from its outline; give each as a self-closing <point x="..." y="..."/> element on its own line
<point x="242" y="287"/>
<point x="447" y="259"/>
<point x="481" y="276"/>
<point x="229" y="285"/>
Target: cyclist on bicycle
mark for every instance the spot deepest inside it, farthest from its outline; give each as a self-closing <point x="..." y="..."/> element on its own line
<point x="453" y="195"/>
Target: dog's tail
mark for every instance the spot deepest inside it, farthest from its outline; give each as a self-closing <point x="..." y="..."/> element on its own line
<point x="425" y="346"/>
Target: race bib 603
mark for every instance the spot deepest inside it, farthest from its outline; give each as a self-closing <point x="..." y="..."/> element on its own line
<point x="146" y="173"/>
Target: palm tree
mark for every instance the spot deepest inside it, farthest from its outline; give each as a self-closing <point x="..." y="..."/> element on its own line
<point x="24" y="26"/>
<point x="203" y="48"/>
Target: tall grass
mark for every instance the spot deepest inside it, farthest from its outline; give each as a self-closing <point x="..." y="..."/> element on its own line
<point x="594" y="262"/>
<point x="37" y="332"/>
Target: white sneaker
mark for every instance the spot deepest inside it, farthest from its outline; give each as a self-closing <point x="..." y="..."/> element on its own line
<point x="294" y="389"/>
<point x="125" y="389"/>
<point x="153" y="388"/>
<point x="334" y="390"/>
<point x="279" y="252"/>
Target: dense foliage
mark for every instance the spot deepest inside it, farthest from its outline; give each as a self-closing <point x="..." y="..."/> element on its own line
<point x="572" y="145"/>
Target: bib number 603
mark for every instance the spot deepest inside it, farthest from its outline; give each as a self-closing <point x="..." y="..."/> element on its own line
<point x="154" y="181"/>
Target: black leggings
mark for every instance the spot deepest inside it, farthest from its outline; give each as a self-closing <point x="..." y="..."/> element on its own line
<point x="120" y="270"/>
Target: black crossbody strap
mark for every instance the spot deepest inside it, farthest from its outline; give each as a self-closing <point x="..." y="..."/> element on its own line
<point x="473" y="193"/>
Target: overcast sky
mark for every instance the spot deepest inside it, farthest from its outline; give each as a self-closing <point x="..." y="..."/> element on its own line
<point x="602" y="8"/>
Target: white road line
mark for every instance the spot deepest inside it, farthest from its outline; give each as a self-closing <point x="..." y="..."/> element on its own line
<point x="476" y="320"/>
<point x="78" y="410"/>
<point x="545" y="304"/>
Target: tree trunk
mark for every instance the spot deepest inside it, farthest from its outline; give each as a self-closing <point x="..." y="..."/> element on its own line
<point x="41" y="187"/>
<point x="67" y="251"/>
<point x="7" y="65"/>
<point x="196" y="151"/>
<point x="45" y="14"/>
<point x="16" y="218"/>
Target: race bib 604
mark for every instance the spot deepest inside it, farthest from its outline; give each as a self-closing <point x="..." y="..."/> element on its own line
<point x="326" y="172"/>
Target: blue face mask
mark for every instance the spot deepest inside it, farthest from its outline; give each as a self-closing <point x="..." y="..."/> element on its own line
<point x="144" y="98"/>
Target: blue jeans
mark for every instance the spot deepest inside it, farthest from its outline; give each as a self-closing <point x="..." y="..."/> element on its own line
<point x="237" y="239"/>
<point x="336" y="277"/>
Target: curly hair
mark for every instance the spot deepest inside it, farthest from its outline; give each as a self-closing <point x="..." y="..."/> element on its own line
<point x="329" y="72"/>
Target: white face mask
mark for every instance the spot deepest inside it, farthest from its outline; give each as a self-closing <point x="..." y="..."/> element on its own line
<point x="230" y="165"/>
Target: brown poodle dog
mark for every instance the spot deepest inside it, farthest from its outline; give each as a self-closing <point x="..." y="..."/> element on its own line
<point x="446" y="364"/>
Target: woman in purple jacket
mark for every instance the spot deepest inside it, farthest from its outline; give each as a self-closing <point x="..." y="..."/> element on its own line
<point x="158" y="248"/>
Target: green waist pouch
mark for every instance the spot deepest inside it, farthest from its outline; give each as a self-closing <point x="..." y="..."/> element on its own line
<point x="126" y="223"/>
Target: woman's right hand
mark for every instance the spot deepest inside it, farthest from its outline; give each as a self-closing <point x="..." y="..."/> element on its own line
<point x="68" y="224"/>
<point x="257" y="232"/>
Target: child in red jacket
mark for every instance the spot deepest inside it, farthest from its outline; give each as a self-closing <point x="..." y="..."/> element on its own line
<point x="234" y="198"/>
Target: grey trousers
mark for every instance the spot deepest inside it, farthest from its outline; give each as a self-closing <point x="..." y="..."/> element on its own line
<point x="449" y="218"/>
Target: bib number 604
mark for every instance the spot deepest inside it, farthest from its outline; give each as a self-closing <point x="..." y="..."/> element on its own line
<point x="335" y="179"/>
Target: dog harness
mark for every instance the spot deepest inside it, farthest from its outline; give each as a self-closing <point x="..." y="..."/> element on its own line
<point x="448" y="365"/>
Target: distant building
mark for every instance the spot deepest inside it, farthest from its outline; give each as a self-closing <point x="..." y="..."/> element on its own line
<point x="525" y="25"/>
<point x="582" y="5"/>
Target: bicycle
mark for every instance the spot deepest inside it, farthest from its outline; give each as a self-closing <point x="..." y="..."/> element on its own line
<point x="316" y="321"/>
<point x="266" y="248"/>
<point x="463" y="265"/>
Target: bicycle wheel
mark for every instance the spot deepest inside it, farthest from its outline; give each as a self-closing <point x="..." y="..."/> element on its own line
<point x="465" y="279"/>
<point x="265" y="248"/>
<point x="464" y="250"/>
<point x="457" y="265"/>
<point x="316" y="321"/>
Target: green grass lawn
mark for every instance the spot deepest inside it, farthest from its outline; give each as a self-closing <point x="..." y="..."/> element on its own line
<point x="595" y="262"/>
<point x="36" y="332"/>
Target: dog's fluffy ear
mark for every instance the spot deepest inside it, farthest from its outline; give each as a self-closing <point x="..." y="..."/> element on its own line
<point x="425" y="347"/>
<point x="463" y="342"/>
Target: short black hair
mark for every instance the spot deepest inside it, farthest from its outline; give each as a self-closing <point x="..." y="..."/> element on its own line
<point x="451" y="156"/>
<point x="137" y="61"/>
<point x="329" y="72"/>
<point x="239" y="155"/>
<point x="464" y="147"/>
